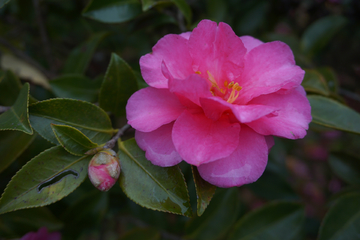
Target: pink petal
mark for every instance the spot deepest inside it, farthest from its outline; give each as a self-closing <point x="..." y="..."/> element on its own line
<point x="158" y="145"/>
<point x="185" y="35"/>
<point x="198" y="139"/>
<point x="270" y="142"/>
<point x="245" y="165"/>
<point x="291" y="121"/>
<point x="150" y="108"/>
<point x="173" y="50"/>
<point x="268" y="68"/>
<point x="250" y="42"/>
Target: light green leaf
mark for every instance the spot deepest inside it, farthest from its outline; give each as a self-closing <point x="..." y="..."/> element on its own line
<point x="3" y="2"/>
<point x="45" y="179"/>
<point x="76" y="87"/>
<point x="342" y="221"/>
<point x="80" y="57"/>
<point x="12" y="144"/>
<point x="141" y="234"/>
<point x="118" y="85"/>
<point x="10" y="87"/>
<point x="17" y="117"/>
<point x="112" y="11"/>
<point x="204" y="191"/>
<point x="74" y="141"/>
<point x="153" y="187"/>
<point x="86" y="117"/>
<point x="276" y="220"/>
<point x="315" y="82"/>
<point x="345" y="167"/>
<point x="333" y="114"/>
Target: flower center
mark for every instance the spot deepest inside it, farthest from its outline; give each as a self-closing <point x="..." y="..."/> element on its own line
<point x="230" y="96"/>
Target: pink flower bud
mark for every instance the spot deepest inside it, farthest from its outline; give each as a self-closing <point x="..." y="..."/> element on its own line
<point x="104" y="169"/>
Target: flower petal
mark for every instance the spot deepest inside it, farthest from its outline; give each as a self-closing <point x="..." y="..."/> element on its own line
<point x="158" y="145"/>
<point x="245" y="165"/>
<point x="291" y="121"/>
<point x="173" y="50"/>
<point x="250" y="42"/>
<point x="150" y="108"/>
<point x="199" y="139"/>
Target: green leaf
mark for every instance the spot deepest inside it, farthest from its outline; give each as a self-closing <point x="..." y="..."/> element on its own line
<point x="45" y="179"/>
<point x="330" y="77"/>
<point x="112" y="11"/>
<point x="86" y="117"/>
<point x="204" y="191"/>
<point x="318" y="34"/>
<point x="141" y="234"/>
<point x="74" y="141"/>
<point x="315" y="82"/>
<point x="3" y="2"/>
<point x="276" y="220"/>
<point x="76" y="87"/>
<point x="80" y="57"/>
<point x="345" y="167"/>
<point x="118" y="85"/>
<point x="12" y="144"/>
<point x="342" y="221"/>
<point x="218" y="217"/>
<point x="10" y="87"/>
<point x="157" y="188"/>
<point x="333" y="114"/>
<point x="17" y="117"/>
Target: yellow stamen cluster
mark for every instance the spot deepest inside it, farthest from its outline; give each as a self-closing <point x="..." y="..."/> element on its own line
<point x="235" y="88"/>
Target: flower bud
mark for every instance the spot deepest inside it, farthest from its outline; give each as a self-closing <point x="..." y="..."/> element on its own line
<point x="104" y="169"/>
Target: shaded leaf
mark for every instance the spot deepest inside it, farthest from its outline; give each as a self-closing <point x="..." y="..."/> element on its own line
<point x="330" y="77"/>
<point x="86" y="117"/>
<point x="140" y="81"/>
<point x="10" y="87"/>
<point x="8" y="141"/>
<point x="333" y="114"/>
<point x="80" y="57"/>
<point x="74" y="141"/>
<point x="3" y="2"/>
<point x="118" y="85"/>
<point x="45" y="179"/>
<point x="112" y="11"/>
<point x="141" y="234"/>
<point x="204" y="191"/>
<point x="17" y="117"/>
<point x="276" y="220"/>
<point x="342" y="221"/>
<point x="345" y="167"/>
<point x="315" y="82"/>
<point x="153" y="187"/>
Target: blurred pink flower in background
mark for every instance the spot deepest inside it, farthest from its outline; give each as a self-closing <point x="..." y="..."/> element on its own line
<point x="215" y="100"/>
<point x="42" y="234"/>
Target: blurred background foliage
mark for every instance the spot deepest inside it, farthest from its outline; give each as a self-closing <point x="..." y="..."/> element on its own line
<point x="51" y="44"/>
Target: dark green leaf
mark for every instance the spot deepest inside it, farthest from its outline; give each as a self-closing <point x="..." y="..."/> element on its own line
<point x="80" y="57"/>
<point x="204" y="191"/>
<point x="76" y="87"/>
<point x="315" y="82"/>
<point x="153" y="187"/>
<point x="45" y="179"/>
<point x="118" y="85"/>
<point x="342" y="220"/>
<point x="3" y="2"/>
<point x="86" y="117"/>
<point x="276" y="220"/>
<point x="319" y="33"/>
<point x="345" y="167"/>
<point x="333" y="114"/>
<point x="9" y="88"/>
<point x="12" y="144"/>
<point x="218" y="217"/>
<point x="140" y="81"/>
<point x="112" y="11"/>
<point x="74" y="141"/>
<point x="17" y="117"/>
<point x="141" y="234"/>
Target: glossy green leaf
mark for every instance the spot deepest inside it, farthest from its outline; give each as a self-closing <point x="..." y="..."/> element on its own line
<point x="319" y="33"/>
<point x="342" y="221"/>
<point x="141" y="234"/>
<point x="118" y="85"/>
<point x="45" y="179"/>
<point x="76" y="87"/>
<point x="80" y="57"/>
<point x="204" y="191"/>
<point x="74" y="141"/>
<point x="218" y="217"/>
<point x="16" y="224"/>
<point x="10" y="87"/>
<point x="17" y="117"/>
<point x="333" y="114"/>
<point x="153" y="187"/>
<point x="330" y="78"/>
<point x="3" y="2"/>
<point x="276" y="220"/>
<point x="345" y="167"/>
<point x="86" y="117"/>
<point x="315" y="82"/>
<point x="12" y="144"/>
<point x="112" y="11"/>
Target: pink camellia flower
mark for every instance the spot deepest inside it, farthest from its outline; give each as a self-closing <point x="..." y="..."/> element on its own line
<point x="42" y="234"/>
<point x="215" y="100"/>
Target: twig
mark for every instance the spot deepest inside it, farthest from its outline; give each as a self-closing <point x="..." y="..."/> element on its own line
<point x="111" y="143"/>
<point x="4" y="109"/>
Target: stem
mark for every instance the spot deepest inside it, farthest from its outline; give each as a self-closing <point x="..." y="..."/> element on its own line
<point x="4" y="109"/>
<point x="111" y="143"/>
